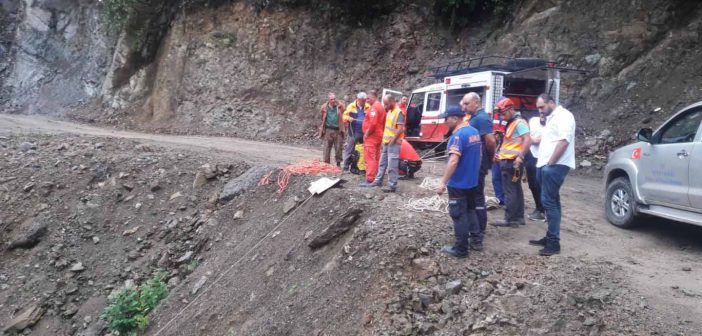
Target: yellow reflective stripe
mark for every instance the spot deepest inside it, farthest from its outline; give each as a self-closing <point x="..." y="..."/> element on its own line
<point x="509" y="151"/>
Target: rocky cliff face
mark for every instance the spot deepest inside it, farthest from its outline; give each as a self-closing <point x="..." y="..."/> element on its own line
<point x="57" y="53"/>
<point x="236" y="70"/>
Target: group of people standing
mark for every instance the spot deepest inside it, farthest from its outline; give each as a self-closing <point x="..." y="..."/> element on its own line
<point x="379" y="126"/>
<point x="508" y="144"/>
<point x="504" y="143"/>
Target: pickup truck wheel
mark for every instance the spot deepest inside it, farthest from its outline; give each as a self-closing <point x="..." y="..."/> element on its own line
<point x="620" y="203"/>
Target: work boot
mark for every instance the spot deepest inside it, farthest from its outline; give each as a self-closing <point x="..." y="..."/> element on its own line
<point x="537" y="216"/>
<point x="540" y="242"/>
<point x="389" y="189"/>
<point x="375" y="183"/>
<point x="366" y="184"/>
<point x="504" y="223"/>
<point x="454" y="252"/>
<point x="550" y="249"/>
<point x="476" y="246"/>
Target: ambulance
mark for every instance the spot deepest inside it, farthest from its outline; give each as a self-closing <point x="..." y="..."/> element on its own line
<point x="491" y="77"/>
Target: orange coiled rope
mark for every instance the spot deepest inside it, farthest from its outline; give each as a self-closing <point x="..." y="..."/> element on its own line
<point x="309" y="167"/>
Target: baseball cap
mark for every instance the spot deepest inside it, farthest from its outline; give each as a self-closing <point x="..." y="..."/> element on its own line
<point x="452" y="111"/>
<point x="361" y="95"/>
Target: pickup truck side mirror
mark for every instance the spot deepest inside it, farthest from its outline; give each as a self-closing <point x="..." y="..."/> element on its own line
<point x="645" y="135"/>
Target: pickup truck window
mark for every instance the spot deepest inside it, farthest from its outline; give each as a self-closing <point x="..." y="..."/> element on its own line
<point x="683" y="129"/>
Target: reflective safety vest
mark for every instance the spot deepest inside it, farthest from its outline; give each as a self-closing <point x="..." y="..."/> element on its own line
<point x="391" y="125"/>
<point x="512" y="146"/>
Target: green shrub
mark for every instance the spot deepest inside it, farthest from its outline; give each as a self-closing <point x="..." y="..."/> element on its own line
<point x="117" y="12"/>
<point x="128" y="310"/>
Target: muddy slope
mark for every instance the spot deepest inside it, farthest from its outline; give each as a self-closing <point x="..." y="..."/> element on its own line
<point x="85" y="216"/>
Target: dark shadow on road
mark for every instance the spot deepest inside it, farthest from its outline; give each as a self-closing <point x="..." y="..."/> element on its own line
<point x="685" y="236"/>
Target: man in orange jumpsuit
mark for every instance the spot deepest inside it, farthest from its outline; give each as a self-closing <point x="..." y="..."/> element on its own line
<point x="410" y="162"/>
<point x="373" y="127"/>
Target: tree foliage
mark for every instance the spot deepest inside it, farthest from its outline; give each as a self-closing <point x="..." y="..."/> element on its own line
<point x="118" y="12"/>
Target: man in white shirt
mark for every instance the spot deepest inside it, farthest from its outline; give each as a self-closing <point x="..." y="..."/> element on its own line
<point x="556" y="159"/>
<point x="535" y="126"/>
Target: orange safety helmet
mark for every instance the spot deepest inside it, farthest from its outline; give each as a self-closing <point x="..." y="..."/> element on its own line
<point x="504" y="104"/>
<point x="498" y="124"/>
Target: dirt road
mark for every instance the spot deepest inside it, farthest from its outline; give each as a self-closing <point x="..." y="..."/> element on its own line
<point x="662" y="259"/>
<point x="251" y="151"/>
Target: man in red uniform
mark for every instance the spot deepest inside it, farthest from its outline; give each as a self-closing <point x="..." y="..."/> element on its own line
<point x="373" y="127"/>
<point x="410" y="162"/>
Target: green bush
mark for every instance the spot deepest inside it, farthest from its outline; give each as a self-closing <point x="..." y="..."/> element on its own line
<point x="117" y="12"/>
<point x="128" y="310"/>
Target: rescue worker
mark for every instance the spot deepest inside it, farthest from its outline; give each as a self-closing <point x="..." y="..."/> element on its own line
<point x="403" y="105"/>
<point x="535" y="125"/>
<point x="461" y="178"/>
<point x="499" y="125"/>
<point x="475" y="115"/>
<point x="515" y="145"/>
<point x="373" y="127"/>
<point x="353" y="117"/>
<point x="556" y="159"/>
<point x="392" y="140"/>
<point x="410" y="162"/>
<point x="331" y="129"/>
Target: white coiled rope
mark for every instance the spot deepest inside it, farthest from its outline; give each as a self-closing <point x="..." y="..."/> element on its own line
<point x="434" y="203"/>
<point x="430" y="183"/>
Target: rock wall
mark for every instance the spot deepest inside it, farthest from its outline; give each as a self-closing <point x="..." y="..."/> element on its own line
<point x="58" y="55"/>
<point x="236" y="70"/>
<point x="641" y="55"/>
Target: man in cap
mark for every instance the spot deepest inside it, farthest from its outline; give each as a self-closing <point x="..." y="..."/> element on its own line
<point x="461" y="179"/>
<point x="515" y="145"/>
<point x="354" y="115"/>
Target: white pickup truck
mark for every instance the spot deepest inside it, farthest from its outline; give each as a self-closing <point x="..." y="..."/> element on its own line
<point x="658" y="174"/>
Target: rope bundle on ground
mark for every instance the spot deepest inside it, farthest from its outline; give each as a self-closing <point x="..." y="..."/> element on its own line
<point x="430" y="183"/>
<point x="309" y="167"/>
<point x="434" y="203"/>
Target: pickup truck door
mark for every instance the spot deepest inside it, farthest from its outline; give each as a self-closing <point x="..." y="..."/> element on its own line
<point x="696" y="173"/>
<point x="664" y="167"/>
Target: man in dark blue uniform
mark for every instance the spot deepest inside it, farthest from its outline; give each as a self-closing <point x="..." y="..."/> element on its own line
<point x="461" y="178"/>
<point x="475" y="114"/>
